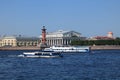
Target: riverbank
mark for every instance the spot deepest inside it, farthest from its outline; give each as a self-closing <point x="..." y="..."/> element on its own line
<point x="20" y="48"/>
<point x="103" y="47"/>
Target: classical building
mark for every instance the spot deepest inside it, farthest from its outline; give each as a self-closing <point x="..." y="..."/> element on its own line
<point x="9" y="41"/>
<point x="27" y="41"/>
<point x="58" y="38"/>
<point x="61" y="37"/>
<point x="18" y="41"/>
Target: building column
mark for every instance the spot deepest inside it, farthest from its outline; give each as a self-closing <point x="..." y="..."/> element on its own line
<point x="49" y="42"/>
<point x="52" y="42"/>
<point x="57" y="41"/>
<point x="62" y="41"/>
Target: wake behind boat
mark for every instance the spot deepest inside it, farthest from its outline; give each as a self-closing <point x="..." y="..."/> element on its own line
<point x="44" y="54"/>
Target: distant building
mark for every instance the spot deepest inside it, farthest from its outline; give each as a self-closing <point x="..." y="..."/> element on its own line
<point x="110" y="34"/>
<point x="18" y="41"/>
<point x="58" y="38"/>
<point x="61" y="37"/>
<point x="27" y="41"/>
<point x="9" y="41"/>
<point x="108" y="37"/>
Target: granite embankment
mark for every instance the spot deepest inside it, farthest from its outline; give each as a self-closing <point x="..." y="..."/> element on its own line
<point x="105" y="47"/>
<point x="20" y="48"/>
<point x="38" y="48"/>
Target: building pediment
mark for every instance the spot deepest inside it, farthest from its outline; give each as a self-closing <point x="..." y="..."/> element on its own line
<point x="72" y="34"/>
<point x="61" y="33"/>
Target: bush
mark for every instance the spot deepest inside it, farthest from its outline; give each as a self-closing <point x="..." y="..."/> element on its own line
<point x="96" y="42"/>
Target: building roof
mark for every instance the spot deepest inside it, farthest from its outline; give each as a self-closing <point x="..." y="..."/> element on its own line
<point x="9" y="37"/>
<point x="20" y="38"/>
<point x="27" y="38"/>
<point x="62" y="33"/>
<point x="102" y="38"/>
<point x="57" y="32"/>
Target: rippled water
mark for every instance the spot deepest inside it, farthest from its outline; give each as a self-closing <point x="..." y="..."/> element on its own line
<point x="97" y="65"/>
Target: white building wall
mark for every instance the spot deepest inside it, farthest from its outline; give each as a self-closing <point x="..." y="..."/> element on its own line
<point x="54" y="35"/>
<point x="9" y="41"/>
<point x="62" y="37"/>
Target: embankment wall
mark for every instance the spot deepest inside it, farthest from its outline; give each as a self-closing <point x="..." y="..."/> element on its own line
<point x="38" y="48"/>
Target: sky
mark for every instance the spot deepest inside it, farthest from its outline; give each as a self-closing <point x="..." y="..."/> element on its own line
<point x="88" y="17"/>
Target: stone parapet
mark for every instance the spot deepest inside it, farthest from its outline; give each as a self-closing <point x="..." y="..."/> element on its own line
<point x="20" y="48"/>
<point x="105" y="47"/>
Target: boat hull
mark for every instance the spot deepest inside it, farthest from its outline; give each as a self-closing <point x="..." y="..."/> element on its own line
<point x="42" y="54"/>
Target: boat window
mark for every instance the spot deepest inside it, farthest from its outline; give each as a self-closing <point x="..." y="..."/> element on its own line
<point x="56" y="54"/>
<point x="47" y="54"/>
<point x="38" y="54"/>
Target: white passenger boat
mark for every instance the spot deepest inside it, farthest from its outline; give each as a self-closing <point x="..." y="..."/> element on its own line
<point x="44" y="54"/>
<point x="69" y="49"/>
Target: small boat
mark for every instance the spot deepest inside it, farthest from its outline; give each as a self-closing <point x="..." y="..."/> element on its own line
<point x="69" y="49"/>
<point x="44" y="54"/>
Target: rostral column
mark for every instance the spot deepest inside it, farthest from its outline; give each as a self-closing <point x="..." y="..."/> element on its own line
<point x="43" y="42"/>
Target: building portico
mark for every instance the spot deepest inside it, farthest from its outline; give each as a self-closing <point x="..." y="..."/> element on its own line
<point x="61" y="37"/>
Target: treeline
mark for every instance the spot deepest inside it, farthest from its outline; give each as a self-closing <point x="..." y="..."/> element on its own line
<point x="97" y="42"/>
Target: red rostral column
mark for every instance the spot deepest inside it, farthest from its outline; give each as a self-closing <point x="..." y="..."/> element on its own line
<point x="43" y="35"/>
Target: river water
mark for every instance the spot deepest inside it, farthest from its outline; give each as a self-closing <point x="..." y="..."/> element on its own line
<point x="97" y="65"/>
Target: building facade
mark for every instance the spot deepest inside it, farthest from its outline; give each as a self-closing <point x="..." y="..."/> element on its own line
<point x="108" y="37"/>
<point x="58" y="38"/>
<point x="18" y="41"/>
<point x="9" y="41"/>
<point x="61" y="37"/>
<point x="27" y="41"/>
